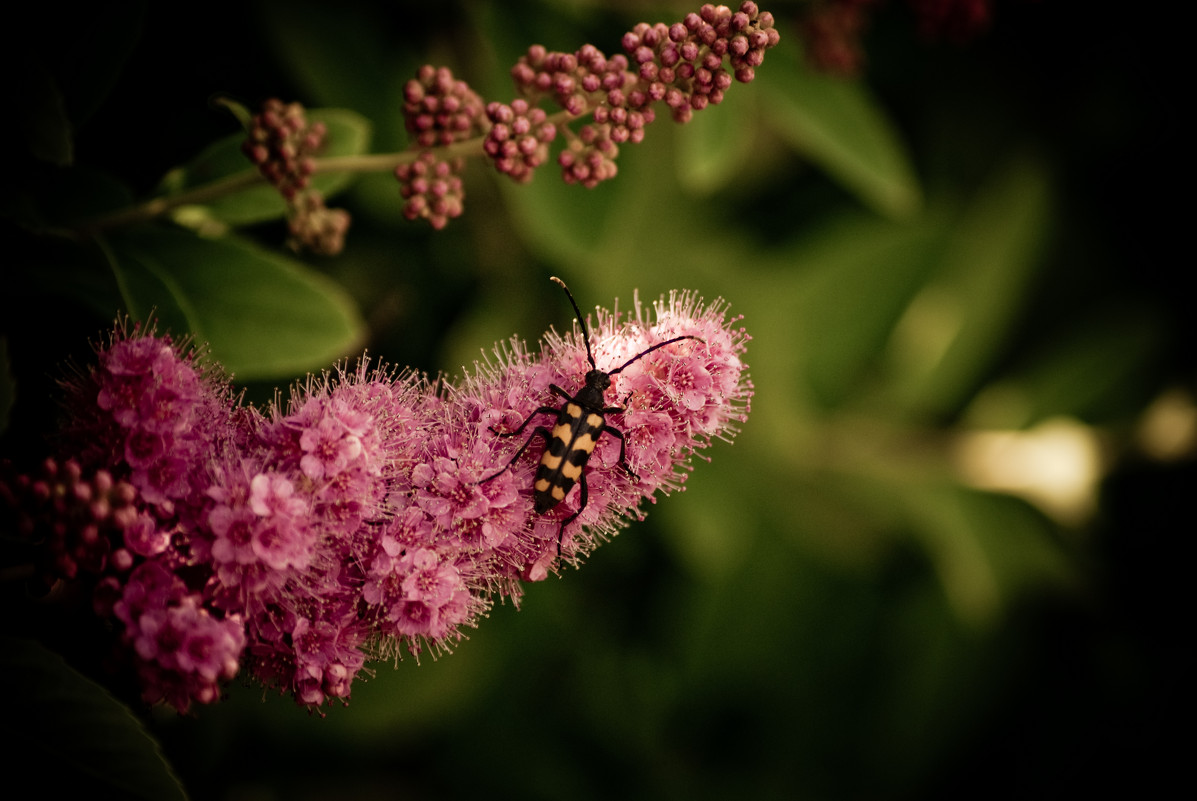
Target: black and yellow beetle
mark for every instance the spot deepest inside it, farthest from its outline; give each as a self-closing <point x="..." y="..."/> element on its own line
<point x="581" y="420"/>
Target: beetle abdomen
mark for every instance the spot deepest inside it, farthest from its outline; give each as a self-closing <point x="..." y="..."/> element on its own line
<point x="570" y="444"/>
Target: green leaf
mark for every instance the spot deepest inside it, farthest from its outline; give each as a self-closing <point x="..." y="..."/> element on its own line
<point x="348" y="135"/>
<point x="67" y="733"/>
<point x="957" y="326"/>
<point x="325" y="53"/>
<point x="1098" y="369"/>
<point x="859" y="274"/>
<point x="62" y="198"/>
<point x="635" y="231"/>
<point x="715" y="145"/>
<point x="264" y="315"/>
<point x="239" y="110"/>
<point x="989" y="550"/>
<point x="566" y="223"/>
<point x="839" y="125"/>
<point x="41" y="116"/>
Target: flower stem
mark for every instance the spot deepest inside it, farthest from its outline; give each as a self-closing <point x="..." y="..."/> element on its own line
<point x="238" y="182"/>
<point x="158" y="206"/>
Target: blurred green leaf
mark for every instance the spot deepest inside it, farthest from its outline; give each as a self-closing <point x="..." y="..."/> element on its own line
<point x="567" y="223"/>
<point x="939" y="679"/>
<point x="41" y="116"/>
<point x="350" y="59"/>
<point x="712" y="527"/>
<point x="348" y="135"/>
<point x="839" y="125"/>
<point x="264" y="315"/>
<point x="637" y="231"/>
<point x="990" y="551"/>
<point x="71" y="736"/>
<point x="961" y="320"/>
<point x="858" y="274"/>
<point x="242" y="113"/>
<point x="62" y="198"/>
<point x="1097" y="369"/>
<point x="715" y="145"/>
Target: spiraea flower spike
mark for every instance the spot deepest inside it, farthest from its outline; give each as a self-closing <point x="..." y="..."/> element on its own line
<point x="353" y="522"/>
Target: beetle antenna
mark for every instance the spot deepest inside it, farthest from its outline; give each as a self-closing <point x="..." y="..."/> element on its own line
<point x="650" y="350"/>
<point x="581" y="321"/>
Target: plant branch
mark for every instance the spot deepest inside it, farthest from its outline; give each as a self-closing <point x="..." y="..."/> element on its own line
<point x="238" y="182"/>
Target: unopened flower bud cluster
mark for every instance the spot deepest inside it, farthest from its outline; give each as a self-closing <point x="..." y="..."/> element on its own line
<point x="688" y="66"/>
<point x="283" y="145"/>
<point x="438" y="110"/>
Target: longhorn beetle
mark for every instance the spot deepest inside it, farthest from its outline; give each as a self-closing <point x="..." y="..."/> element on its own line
<point x="580" y="422"/>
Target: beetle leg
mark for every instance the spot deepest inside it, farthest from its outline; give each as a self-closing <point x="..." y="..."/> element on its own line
<point x="623" y="452"/>
<point x="523" y="425"/>
<point x="556" y="390"/>
<point x="585" y="496"/>
<point x="541" y="430"/>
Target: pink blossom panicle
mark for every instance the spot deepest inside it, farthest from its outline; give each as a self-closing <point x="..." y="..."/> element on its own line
<point x="351" y="522"/>
<point x="678" y="399"/>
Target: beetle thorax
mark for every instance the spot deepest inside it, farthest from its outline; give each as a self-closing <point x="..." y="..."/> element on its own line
<point x="591" y="395"/>
<point x="598" y="379"/>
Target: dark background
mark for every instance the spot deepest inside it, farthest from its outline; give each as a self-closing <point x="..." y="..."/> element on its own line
<point x="831" y="610"/>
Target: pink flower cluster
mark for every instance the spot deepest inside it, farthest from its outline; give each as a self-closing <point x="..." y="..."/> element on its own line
<point x="681" y="64"/>
<point x="832" y="29"/>
<point x="832" y="32"/>
<point x="315" y="227"/>
<point x="349" y="523"/>
<point x="283" y="145"/>
<point x="431" y="188"/>
<point x="438" y="109"/>
<point x="519" y="138"/>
